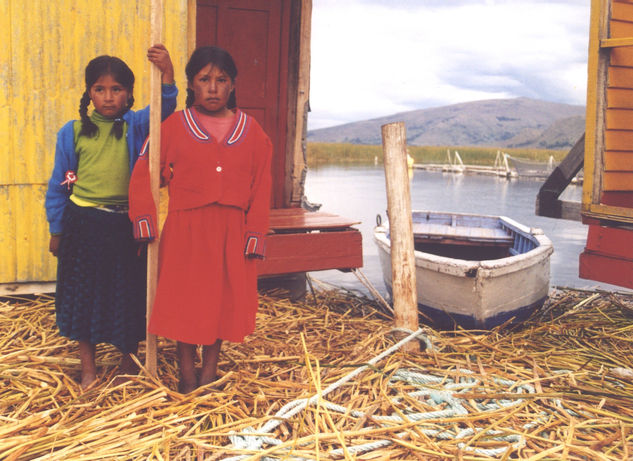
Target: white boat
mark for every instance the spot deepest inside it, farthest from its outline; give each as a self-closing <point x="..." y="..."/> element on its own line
<point x="475" y="271"/>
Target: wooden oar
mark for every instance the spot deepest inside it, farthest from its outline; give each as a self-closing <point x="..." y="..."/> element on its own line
<point x="156" y="21"/>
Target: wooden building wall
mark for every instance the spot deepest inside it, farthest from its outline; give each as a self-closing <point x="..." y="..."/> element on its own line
<point x="607" y="205"/>
<point x="45" y="48"/>
<point x="608" y="187"/>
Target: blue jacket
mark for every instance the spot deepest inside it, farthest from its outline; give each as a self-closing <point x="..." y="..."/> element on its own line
<point x="66" y="160"/>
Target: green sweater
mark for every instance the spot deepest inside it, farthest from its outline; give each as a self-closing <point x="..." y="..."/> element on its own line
<point x="103" y="172"/>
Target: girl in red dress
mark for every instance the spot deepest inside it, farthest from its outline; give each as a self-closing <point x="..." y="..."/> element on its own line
<point x="215" y="160"/>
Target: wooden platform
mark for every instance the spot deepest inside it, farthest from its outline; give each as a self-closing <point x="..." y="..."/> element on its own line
<point x="304" y="241"/>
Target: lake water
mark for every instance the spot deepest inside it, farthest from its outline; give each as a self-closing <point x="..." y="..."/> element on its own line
<point x="359" y="192"/>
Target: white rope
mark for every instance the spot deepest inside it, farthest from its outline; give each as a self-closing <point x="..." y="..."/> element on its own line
<point x="449" y="396"/>
<point x="250" y="442"/>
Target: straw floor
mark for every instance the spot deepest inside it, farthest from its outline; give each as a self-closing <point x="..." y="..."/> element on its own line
<point x="565" y="376"/>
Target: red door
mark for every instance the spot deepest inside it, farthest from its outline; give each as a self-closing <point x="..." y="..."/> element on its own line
<point x="256" y="33"/>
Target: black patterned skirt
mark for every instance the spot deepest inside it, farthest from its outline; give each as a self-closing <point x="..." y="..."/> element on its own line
<point x="101" y="279"/>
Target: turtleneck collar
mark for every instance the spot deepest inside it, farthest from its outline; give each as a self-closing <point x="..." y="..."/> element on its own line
<point x="97" y="117"/>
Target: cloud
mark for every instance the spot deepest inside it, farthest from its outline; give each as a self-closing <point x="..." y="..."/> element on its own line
<point x="372" y="58"/>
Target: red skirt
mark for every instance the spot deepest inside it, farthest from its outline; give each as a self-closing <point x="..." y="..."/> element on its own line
<point x="207" y="288"/>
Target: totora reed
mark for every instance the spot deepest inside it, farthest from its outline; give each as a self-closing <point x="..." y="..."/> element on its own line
<point x="559" y="386"/>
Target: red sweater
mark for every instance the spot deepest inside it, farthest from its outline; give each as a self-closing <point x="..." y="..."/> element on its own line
<point x="199" y="171"/>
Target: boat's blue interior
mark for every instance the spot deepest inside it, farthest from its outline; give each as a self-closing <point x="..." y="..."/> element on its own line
<point x="522" y="242"/>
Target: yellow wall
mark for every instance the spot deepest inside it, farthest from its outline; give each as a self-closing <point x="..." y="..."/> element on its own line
<point x="44" y="48"/>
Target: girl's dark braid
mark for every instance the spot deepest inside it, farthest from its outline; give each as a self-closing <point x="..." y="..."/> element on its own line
<point x="190" y="98"/>
<point x="88" y="128"/>
<point x="117" y="127"/>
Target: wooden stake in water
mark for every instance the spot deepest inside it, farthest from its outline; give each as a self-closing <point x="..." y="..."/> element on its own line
<point x="403" y="282"/>
<point x="156" y="24"/>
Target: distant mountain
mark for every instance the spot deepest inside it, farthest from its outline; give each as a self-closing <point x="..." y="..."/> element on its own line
<point x="520" y="122"/>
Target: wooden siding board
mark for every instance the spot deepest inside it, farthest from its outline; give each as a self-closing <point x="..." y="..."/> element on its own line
<point x="621" y="29"/>
<point x="619" y="98"/>
<point x="622" y="56"/>
<point x="621" y="11"/>
<point x="620" y="119"/>
<point x="608" y="256"/>
<point x="618" y="160"/>
<point x="616" y="271"/>
<point x="618" y="140"/>
<point x="620" y="77"/>
<point x="618" y="181"/>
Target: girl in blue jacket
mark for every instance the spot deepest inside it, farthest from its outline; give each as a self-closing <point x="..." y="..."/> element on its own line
<point x="100" y="275"/>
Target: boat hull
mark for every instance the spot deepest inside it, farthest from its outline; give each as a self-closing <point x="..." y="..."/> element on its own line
<point x="477" y="294"/>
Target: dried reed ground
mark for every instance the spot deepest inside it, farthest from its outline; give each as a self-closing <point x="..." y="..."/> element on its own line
<point x="583" y="409"/>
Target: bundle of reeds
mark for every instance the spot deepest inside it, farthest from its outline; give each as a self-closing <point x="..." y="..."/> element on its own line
<point x="561" y="376"/>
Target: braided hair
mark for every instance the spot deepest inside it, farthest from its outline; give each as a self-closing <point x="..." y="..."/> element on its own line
<point x="98" y="67"/>
<point x="217" y="57"/>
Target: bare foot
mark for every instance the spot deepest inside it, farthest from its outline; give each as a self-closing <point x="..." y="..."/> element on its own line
<point x="185" y="387"/>
<point x="88" y="380"/>
<point x="207" y="379"/>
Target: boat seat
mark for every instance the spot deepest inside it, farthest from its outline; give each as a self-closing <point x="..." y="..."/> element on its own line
<point x="305" y="241"/>
<point x="429" y="231"/>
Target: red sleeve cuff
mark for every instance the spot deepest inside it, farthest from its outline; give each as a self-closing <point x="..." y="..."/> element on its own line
<point x="144" y="230"/>
<point x="255" y="246"/>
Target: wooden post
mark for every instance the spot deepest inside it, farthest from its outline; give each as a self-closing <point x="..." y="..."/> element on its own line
<point x="156" y="21"/>
<point x="405" y="299"/>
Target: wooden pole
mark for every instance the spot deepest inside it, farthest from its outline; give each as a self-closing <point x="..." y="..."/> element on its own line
<point x="156" y="21"/>
<point x="403" y="283"/>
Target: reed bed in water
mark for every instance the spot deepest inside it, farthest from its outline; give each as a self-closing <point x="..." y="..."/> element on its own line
<point x="555" y="387"/>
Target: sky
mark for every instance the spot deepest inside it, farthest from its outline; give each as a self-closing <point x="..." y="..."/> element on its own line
<point x="372" y="58"/>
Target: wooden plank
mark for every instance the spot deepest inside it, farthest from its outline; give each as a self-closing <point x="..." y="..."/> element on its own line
<point x="302" y="220"/>
<point x="622" y="56"/>
<point x="620" y="119"/>
<point x="619" y="98"/>
<point x="289" y="253"/>
<point x="622" y="12"/>
<point x="606" y="269"/>
<point x="616" y="42"/>
<point x="608" y="255"/>
<point x="430" y="231"/>
<point x="620" y="77"/>
<point x="608" y="212"/>
<point x="570" y="210"/>
<point x="610" y="241"/>
<point x="12" y="289"/>
<point x="547" y="202"/>
<point x="621" y="30"/>
<point x="618" y="160"/>
<point x="618" y="140"/>
<point x="618" y="181"/>
<point x="618" y="198"/>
